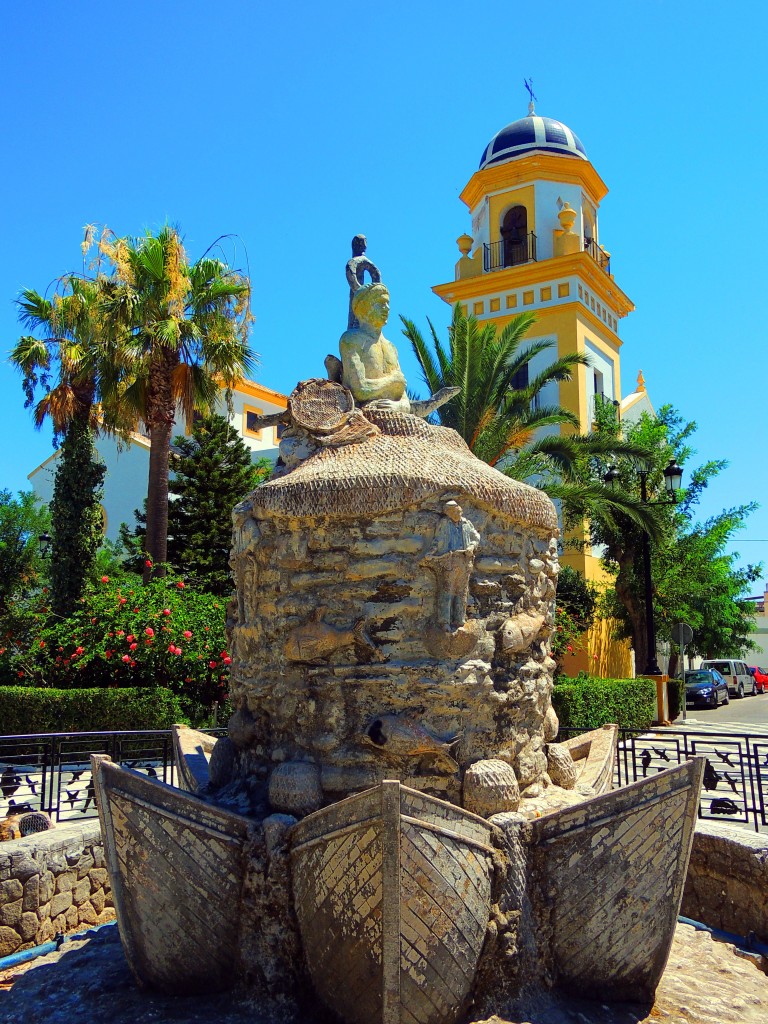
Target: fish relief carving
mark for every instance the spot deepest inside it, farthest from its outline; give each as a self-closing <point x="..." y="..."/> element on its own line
<point x="519" y="632"/>
<point x="403" y="736"/>
<point x="315" y="641"/>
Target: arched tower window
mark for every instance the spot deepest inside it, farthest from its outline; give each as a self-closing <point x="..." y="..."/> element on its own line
<point x="514" y="236"/>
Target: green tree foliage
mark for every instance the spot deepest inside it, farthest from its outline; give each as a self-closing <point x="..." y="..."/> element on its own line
<point x="183" y="328"/>
<point x="493" y="416"/>
<point x="22" y="570"/>
<point x="76" y="517"/>
<point x="500" y="414"/>
<point x="167" y="633"/>
<point x="71" y="363"/>
<point x="212" y="471"/>
<point x="694" y="579"/>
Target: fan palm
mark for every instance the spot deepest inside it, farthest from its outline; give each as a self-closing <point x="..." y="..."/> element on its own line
<point x="184" y="329"/>
<point x="69" y="359"/>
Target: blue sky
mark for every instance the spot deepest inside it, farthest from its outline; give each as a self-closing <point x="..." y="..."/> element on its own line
<point x="295" y="126"/>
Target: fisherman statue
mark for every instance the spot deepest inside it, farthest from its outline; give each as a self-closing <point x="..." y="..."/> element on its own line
<point x="451" y="559"/>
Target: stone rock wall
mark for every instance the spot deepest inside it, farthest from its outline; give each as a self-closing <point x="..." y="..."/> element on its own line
<point x="727" y="884"/>
<point x="359" y="595"/>
<point x="52" y="882"/>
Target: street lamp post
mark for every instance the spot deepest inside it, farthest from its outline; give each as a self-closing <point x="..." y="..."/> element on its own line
<point x="673" y="478"/>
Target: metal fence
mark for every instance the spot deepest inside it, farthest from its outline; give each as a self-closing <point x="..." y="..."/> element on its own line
<point x="735" y="785"/>
<point x="52" y="772"/>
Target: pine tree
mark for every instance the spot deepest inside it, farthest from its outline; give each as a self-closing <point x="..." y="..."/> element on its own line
<point x="76" y="516"/>
<point x="212" y="471"/>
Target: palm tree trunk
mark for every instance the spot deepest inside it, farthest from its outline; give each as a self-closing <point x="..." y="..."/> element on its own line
<point x="160" y="420"/>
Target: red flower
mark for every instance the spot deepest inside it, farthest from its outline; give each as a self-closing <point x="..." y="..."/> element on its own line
<point x="133" y="647"/>
<point x="126" y="657"/>
<point x="79" y="650"/>
<point x="105" y="579"/>
<point x="123" y="600"/>
<point x="227" y="660"/>
<point x="148" y="563"/>
<point x="130" y="638"/>
<point x="135" y="611"/>
<point x="166" y="611"/>
<point x="42" y="643"/>
<point x="180" y="584"/>
<point x="120" y="632"/>
<point x="187" y="634"/>
<point x="569" y="649"/>
<point x="107" y="654"/>
<point x="211" y="664"/>
<point x="21" y="674"/>
<point x="149" y="631"/>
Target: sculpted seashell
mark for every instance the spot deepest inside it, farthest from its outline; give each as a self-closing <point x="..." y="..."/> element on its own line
<point x="490" y="787"/>
<point x="294" y="788"/>
<point x="561" y="767"/>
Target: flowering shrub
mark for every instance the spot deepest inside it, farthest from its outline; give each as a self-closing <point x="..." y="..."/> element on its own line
<point x="568" y="637"/>
<point x="164" y="633"/>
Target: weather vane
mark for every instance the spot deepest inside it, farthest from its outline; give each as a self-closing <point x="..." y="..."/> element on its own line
<point x="528" y="82"/>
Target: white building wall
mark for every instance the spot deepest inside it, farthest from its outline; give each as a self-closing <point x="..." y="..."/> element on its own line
<point x="125" y="482"/>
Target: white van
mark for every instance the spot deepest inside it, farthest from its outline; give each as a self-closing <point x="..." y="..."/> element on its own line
<point x="740" y="680"/>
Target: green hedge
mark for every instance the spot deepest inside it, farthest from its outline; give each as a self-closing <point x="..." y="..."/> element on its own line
<point x="587" y="703"/>
<point x="27" y="709"/>
<point x="675" y="696"/>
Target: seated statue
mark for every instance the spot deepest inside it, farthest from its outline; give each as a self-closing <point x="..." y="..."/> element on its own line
<point x="369" y="363"/>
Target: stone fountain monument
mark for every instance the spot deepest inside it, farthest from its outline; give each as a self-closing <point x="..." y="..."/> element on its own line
<point x="389" y="824"/>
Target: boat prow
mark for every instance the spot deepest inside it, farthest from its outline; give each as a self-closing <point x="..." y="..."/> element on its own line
<point x="610" y="874"/>
<point x="176" y="868"/>
<point x="594" y="753"/>
<point x="392" y="894"/>
<point x="192" y="753"/>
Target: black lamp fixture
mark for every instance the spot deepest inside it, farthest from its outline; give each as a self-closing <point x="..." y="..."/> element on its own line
<point x="673" y="477"/>
<point x="44" y="542"/>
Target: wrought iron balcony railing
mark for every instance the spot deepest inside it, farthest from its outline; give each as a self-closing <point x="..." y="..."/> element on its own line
<point x="503" y="254"/>
<point x="598" y="254"/>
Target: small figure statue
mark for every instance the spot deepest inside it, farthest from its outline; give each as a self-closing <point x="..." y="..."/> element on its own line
<point x="451" y="558"/>
<point x="370" y="366"/>
<point x="356" y="268"/>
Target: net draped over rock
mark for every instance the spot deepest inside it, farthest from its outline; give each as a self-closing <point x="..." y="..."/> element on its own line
<point x="409" y="462"/>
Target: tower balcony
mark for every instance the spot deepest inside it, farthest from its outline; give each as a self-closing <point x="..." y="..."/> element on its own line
<point x="598" y="254"/>
<point x="506" y="253"/>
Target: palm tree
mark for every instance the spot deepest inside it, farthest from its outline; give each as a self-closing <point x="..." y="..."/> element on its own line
<point x="502" y="422"/>
<point x="494" y="417"/>
<point x="70" y="362"/>
<point x="184" y="331"/>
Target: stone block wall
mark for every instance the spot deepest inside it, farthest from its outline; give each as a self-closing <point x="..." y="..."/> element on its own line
<point x="727" y="884"/>
<point x="52" y="882"/>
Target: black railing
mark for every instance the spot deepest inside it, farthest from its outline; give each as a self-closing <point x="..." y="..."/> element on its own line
<point x="499" y="255"/>
<point x="598" y="254"/>
<point x="735" y="780"/>
<point x="51" y="772"/>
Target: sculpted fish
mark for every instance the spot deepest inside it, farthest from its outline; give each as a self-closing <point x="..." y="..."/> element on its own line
<point x="519" y="632"/>
<point x="316" y="641"/>
<point x="403" y="736"/>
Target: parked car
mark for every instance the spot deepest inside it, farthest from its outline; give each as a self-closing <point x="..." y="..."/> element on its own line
<point x="740" y="680"/>
<point x="705" y="687"/>
<point x="761" y="677"/>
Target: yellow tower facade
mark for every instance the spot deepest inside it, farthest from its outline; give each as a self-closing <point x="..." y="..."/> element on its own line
<point x="535" y="246"/>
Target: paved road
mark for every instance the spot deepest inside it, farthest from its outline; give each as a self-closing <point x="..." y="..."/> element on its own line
<point x="750" y="714"/>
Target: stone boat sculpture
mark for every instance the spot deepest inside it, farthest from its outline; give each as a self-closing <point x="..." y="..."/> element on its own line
<point x="397" y="831"/>
<point x="392" y="890"/>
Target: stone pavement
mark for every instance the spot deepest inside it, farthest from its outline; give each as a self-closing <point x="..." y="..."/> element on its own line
<point x="88" y="982"/>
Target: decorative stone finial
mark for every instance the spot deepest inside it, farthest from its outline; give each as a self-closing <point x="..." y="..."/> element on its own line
<point x="465" y="243"/>
<point x="640" y="381"/>
<point x="566" y="216"/>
